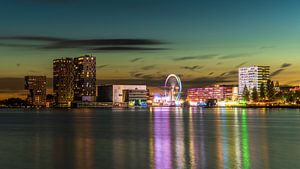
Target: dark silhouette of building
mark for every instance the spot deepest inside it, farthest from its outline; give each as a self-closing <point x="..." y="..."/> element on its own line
<point x="36" y="86"/>
<point x="85" y="78"/>
<point x="63" y="81"/>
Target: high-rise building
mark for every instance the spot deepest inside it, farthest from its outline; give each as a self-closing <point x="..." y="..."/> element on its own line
<point x="36" y="86"/>
<point x="252" y="77"/>
<point x="63" y="81"/>
<point x="85" y="78"/>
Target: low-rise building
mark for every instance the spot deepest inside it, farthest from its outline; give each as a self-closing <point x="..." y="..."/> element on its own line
<point x="218" y="92"/>
<point x="122" y="95"/>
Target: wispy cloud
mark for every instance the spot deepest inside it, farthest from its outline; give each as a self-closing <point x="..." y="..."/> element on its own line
<point x="101" y="66"/>
<point x="149" y="67"/>
<point x="277" y="72"/>
<point x="267" y="47"/>
<point x="135" y="59"/>
<point x="147" y="77"/>
<point x="208" y="56"/>
<point x="45" y="42"/>
<point x="241" y="64"/>
<point x="281" y="69"/>
<point x="192" y="68"/>
<point x="125" y="48"/>
<point x="238" y="55"/>
<point x="285" y="65"/>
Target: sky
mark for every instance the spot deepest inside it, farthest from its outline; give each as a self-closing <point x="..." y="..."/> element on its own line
<point x="142" y="41"/>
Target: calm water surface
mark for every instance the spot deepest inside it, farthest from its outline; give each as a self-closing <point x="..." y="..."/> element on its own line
<point x="155" y="138"/>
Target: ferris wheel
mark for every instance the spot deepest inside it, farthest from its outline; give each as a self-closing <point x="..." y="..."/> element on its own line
<point x="173" y="89"/>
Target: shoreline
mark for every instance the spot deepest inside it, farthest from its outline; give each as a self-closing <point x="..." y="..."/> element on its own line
<point x="208" y="107"/>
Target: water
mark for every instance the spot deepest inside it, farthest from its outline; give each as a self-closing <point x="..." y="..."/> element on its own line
<point x="157" y="138"/>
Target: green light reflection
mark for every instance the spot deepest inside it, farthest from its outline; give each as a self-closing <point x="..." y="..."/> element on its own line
<point x="245" y="141"/>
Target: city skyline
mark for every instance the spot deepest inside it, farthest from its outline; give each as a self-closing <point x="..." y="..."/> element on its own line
<point x="144" y="41"/>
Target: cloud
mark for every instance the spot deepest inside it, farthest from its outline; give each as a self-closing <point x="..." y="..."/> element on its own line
<point x="208" y="56"/>
<point x="46" y="42"/>
<point x="267" y="47"/>
<point x="222" y="74"/>
<point x="135" y="59"/>
<point x="285" y="65"/>
<point x="229" y="74"/>
<point x="101" y="66"/>
<point x="232" y="73"/>
<point x="192" y="68"/>
<point x="101" y="42"/>
<point x="184" y="58"/>
<point x="241" y="64"/>
<point x="137" y="75"/>
<point x="125" y="48"/>
<point x="238" y="55"/>
<point x="281" y="69"/>
<point x="147" y="77"/>
<point x="148" y="67"/>
<point x="277" y="72"/>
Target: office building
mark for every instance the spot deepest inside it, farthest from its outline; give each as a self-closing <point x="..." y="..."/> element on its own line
<point x="252" y="77"/>
<point x="36" y="86"/>
<point x="135" y="97"/>
<point x="85" y="78"/>
<point x="63" y="81"/>
<point x="119" y="95"/>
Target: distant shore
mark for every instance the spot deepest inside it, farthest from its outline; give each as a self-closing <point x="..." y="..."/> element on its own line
<point x="294" y="106"/>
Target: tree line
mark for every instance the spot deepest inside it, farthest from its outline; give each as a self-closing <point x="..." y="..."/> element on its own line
<point x="270" y="91"/>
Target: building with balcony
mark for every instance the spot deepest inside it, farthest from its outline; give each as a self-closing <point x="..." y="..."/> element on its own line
<point x="253" y="76"/>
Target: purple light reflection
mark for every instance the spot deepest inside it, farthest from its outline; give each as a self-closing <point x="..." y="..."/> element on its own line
<point x="162" y="140"/>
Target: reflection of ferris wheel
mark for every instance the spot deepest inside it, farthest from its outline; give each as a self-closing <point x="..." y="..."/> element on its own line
<point x="173" y="88"/>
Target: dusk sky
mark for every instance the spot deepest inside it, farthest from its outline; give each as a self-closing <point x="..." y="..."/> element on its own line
<point x="202" y="41"/>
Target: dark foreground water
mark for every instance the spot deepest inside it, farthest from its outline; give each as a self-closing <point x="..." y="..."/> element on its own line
<point x="157" y="138"/>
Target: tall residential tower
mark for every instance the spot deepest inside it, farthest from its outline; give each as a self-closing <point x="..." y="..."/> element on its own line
<point x="253" y="76"/>
<point x="85" y="78"/>
<point x="63" y="81"/>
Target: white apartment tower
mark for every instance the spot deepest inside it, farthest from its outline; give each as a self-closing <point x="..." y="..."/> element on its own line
<point x="253" y="76"/>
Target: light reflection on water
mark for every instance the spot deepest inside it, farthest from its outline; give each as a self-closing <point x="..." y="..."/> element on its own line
<point x="158" y="138"/>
